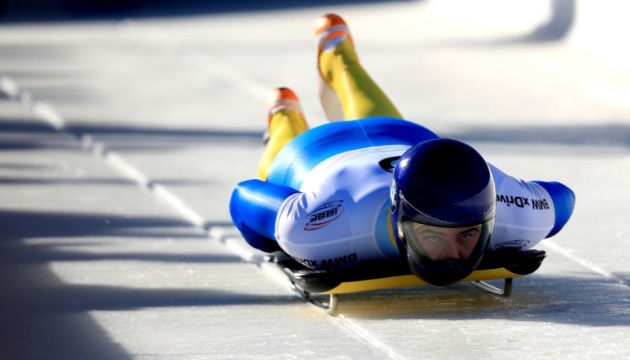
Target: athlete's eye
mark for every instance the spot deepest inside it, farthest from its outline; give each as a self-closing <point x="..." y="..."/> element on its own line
<point x="465" y="237"/>
<point x="432" y="238"/>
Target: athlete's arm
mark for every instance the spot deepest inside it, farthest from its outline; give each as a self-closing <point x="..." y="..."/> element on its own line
<point x="528" y="211"/>
<point x="254" y="208"/>
<point x="563" y="201"/>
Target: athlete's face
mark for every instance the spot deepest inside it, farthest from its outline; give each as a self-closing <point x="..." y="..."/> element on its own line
<point x="442" y="243"/>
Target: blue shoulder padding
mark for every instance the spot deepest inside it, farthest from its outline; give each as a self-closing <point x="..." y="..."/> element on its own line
<point x="311" y="147"/>
<point x="563" y="201"/>
<point x="254" y="207"/>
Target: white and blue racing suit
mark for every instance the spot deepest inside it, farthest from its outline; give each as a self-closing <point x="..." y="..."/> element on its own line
<point x="326" y="201"/>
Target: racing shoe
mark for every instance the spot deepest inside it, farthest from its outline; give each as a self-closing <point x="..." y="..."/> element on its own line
<point x="282" y="98"/>
<point x="331" y="30"/>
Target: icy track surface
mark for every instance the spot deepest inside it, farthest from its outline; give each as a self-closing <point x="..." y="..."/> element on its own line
<point x="121" y="139"/>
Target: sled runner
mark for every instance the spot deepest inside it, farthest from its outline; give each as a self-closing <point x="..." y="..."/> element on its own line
<point x="309" y="283"/>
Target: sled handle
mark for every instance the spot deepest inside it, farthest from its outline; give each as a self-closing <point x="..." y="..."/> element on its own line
<point x="330" y="307"/>
<point x="505" y="292"/>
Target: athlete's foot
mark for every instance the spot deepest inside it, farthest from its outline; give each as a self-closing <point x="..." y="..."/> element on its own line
<point x="281" y="98"/>
<point x="331" y="32"/>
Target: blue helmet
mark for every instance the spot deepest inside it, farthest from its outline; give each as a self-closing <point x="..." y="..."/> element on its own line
<point x="443" y="207"/>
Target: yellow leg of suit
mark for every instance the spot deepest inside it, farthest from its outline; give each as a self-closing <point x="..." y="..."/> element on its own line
<point x="359" y="95"/>
<point x="284" y="125"/>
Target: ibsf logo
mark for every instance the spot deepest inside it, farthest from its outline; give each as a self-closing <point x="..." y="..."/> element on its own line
<point x="324" y="215"/>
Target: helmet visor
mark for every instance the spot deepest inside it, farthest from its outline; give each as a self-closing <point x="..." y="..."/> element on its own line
<point x="446" y="244"/>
